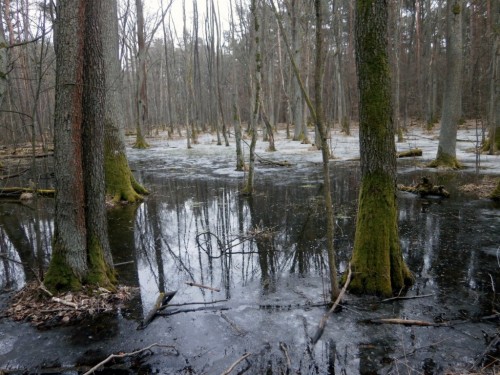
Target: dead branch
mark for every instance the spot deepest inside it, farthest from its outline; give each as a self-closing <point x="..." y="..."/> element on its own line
<point x="196" y="303"/>
<point x="324" y="319"/>
<point x="284" y="349"/>
<point x="123" y="355"/>
<point x="404" y="322"/>
<point x="239" y="331"/>
<point x="3" y="157"/>
<point x="160" y="304"/>
<point x="208" y="308"/>
<point x="410" y="297"/>
<point x="6" y="177"/>
<point x="203" y="286"/>
<point x="231" y="368"/>
<point x="63" y="302"/>
<point x="9" y="192"/>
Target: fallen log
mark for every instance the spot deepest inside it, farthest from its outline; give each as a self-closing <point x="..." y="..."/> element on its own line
<point x="203" y="286"/>
<point x="410" y="153"/>
<point x="16" y="192"/>
<point x="426" y="188"/>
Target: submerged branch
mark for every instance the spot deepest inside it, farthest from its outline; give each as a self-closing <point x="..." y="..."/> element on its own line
<point x="324" y="319"/>
<point x="123" y="355"/>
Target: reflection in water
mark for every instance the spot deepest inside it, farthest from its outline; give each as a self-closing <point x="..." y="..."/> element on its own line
<point x="271" y="245"/>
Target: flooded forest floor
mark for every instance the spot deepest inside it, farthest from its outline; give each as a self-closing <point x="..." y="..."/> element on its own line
<point x="263" y="263"/>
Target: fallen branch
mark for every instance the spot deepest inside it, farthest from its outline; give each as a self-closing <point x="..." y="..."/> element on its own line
<point x="208" y="308"/>
<point x="196" y="303"/>
<point x="404" y="322"/>
<point x="231" y="368"/>
<point x="411" y="297"/>
<point x="123" y="355"/>
<point x="324" y="319"/>
<point x="9" y="192"/>
<point x="6" y="177"/>
<point x="3" y="157"/>
<point x="63" y="302"/>
<point x="203" y="286"/>
<point x="160" y="304"/>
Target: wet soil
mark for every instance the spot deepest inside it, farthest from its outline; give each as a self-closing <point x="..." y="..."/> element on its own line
<point x="267" y="257"/>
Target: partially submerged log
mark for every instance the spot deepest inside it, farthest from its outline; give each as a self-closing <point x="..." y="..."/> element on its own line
<point x="17" y="192"/>
<point x="426" y="188"/>
<point x="161" y="303"/>
<point x="410" y="153"/>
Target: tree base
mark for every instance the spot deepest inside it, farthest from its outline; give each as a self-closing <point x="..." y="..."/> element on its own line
<point x="445" y="162"/>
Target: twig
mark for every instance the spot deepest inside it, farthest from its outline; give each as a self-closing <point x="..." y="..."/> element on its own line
<point x="411" y="297"/>
<point x="284" y="349"/>
<point x="222" y="308"/>
<point x="67" y="303"/>
<point x="124" y="263"/>
<point x="231" y="368"/>
<point x="405" y="322"/>
<point x="239" y="331"/>
<point x="203" y="286"/>
<point x="102" y="363"/>
<point x="196" y="303"/>
<point x="324" y="319"/>
<point x="42" y="287"/>
<point x="6" y="177"/>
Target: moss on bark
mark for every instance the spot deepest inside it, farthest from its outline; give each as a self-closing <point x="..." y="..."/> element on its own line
<point x="100" y="273"/>
<point x="120" y="182"/>
<point x="59" y="276"/>
<point x="444" y="160"/>
<point x="140" y="142"/>
<point x="377" y="262"/>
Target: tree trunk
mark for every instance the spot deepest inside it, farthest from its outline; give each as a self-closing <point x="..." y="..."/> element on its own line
<point x="377" y="261"/>
<point x="141" y="90"/>
<point x="240" y="161"/>
<point x="322" y="131"/>
<point x="81" y="250"/>
<point x="68" y="265"/>
<point x="452" y="100"/>
<point x="494" y="110"/>
<point x="120" y="182"/>
<point x="298" y="100"/>
<point x="248" y="189"/>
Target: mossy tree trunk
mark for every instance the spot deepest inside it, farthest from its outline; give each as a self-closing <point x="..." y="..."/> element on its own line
<point x="452" y="97"/>
<point x="120" y="182"/>
<point x="81" y="253"/>
<point x="377" y="260"/>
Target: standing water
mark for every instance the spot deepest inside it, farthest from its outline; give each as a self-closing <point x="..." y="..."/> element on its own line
<point x="264" y="261"/>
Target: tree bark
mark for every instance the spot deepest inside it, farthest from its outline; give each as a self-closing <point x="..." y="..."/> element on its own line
<point x="377" y="261"/>
<point x="120" y="182"/>
<point x="452" y="100"/>
<point x="81" y="252"/>
<point x="141" y="91"/>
